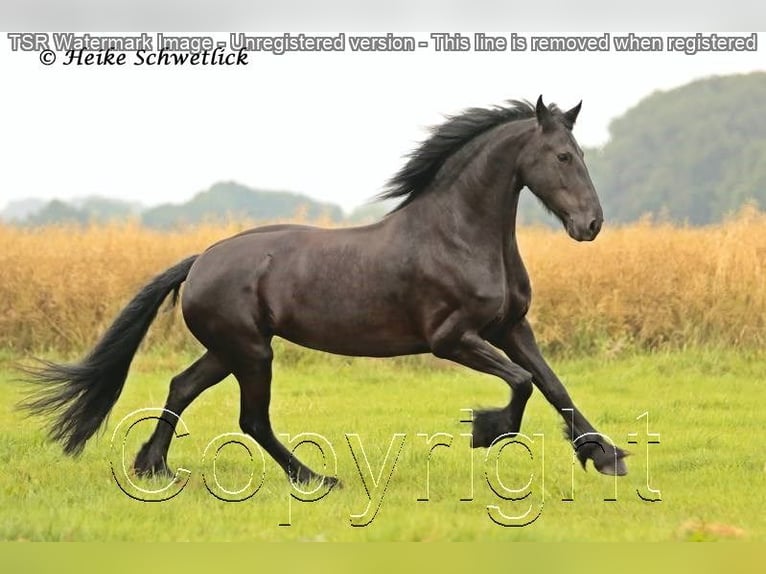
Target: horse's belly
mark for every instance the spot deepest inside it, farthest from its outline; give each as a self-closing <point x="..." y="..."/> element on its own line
<point x="359" y="330"/>
<point x="342" y="303"/>
<point x="362" y="348"/>
<point x="354" y="340"/>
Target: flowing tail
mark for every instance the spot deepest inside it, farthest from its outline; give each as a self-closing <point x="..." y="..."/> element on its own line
<point x="82" y="395"/>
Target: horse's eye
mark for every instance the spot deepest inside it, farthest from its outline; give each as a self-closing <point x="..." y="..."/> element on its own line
<point x="565" y="157"/>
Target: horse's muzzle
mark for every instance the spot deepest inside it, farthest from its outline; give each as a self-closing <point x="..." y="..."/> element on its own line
<point x="584" y="229"/>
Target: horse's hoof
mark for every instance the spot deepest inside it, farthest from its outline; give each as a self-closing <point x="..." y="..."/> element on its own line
<point x="303" y="480"/>
<point x="148" y="464"/>
<point x="488" y="425"/>
<point x="332" y="482"/>
<point x="613" y="465"/>
<point x="153" y="471"/>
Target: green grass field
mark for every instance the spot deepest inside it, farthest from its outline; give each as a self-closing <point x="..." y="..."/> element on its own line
<point x="709" y="465"/>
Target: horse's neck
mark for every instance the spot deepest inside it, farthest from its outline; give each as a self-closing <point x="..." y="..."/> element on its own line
<point x="476" y="196"/>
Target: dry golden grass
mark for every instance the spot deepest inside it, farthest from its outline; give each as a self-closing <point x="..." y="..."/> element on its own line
<point x="652" y="285"/>
<point x="645" y="285"/>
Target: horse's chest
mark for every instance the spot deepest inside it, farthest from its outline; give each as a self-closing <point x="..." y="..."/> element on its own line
<point x="518" y="291"/>
<point x="518" y="297"/>
<point x="511" y="307"/>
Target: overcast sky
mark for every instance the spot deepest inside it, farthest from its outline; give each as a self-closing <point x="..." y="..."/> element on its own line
<point x="333" y="126"/>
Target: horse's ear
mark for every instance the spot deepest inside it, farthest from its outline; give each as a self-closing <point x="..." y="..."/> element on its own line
<point x="544" y="116"/>
<point x="571" y="115"/>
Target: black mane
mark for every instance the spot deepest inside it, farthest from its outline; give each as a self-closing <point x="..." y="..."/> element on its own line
<point x="446" y="139"/>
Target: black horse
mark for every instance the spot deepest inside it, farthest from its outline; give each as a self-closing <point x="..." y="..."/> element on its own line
<point x="441" y="273"/>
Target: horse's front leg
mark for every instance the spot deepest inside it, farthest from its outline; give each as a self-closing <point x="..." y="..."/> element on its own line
<point x="473" y="351"/>
<point x="518" y="342"/>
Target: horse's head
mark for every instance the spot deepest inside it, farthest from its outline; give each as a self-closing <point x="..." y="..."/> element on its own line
<point x="552" y="167"/>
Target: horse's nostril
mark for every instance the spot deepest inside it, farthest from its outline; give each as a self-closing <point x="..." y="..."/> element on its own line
<point x="595" y="226"/>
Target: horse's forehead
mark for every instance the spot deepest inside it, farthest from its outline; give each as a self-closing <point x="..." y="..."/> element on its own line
<point x="562" y="137"/>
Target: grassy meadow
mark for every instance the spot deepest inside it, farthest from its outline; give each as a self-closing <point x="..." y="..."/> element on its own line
<point x="651" y="318"/>
<point x="706" y="466"/>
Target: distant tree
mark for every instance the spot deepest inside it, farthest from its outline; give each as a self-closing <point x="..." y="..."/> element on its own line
<point x="102" y="209"/>
<point x="695" y="153"/>
<point x="370" y="212"/>
<point x="56" y="212"/>
<point x="81" y="211"/>
<point x="234" y="201"/>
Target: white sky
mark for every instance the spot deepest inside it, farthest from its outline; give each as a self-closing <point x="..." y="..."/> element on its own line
<point x="333" y="126"/>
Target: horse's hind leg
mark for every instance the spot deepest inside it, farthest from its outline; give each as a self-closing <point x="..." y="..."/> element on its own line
<point x="253" y="371"/>
<point x="184" y="388"/>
